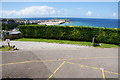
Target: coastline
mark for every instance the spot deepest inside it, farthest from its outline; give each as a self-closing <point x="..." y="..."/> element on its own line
<point x="93" y="22"/>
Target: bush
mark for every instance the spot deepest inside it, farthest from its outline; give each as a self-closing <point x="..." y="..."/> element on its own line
<point x="8" y="26"/>
<point x="79" y="33"/>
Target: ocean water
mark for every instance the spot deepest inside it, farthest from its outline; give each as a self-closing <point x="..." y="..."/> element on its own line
<point x="93" y="22"/>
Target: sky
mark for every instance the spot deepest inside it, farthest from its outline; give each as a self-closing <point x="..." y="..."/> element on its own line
<point x="59" y="9"/>
<point x="60" y="0"/>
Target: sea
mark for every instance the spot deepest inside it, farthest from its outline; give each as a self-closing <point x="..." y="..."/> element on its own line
<point x="93" y="22"/>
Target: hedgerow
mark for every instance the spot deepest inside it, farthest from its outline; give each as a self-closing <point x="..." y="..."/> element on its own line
<point x="79" y="33"/>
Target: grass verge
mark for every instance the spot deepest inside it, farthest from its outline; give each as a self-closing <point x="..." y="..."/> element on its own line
<point x="5" y="48"/>
<point x="103" y="45"/>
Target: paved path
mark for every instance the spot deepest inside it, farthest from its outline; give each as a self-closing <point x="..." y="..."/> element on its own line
<point x="59" y="61"/>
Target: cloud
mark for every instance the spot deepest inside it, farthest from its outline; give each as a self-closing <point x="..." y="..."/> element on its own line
<point x="114" y="14"/>
<point x="89" y="13"/>
<point x="33" y="11"/>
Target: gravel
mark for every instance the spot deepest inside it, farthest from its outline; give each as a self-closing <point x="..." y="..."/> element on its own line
<point x="42" y="45"/>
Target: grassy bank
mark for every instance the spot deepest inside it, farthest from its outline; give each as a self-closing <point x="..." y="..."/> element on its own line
<point x="5" y="48"/>
<point x="103" y="45"/>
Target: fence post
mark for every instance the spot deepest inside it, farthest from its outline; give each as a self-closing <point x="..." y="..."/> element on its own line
<point x="93" y="41"/>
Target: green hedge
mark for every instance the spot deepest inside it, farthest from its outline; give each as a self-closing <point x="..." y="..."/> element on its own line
<point x="8" y="26"/>
<point x="80" y="33"/>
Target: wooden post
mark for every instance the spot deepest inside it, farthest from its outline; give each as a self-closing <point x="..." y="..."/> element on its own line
<point x="93" y="41"/>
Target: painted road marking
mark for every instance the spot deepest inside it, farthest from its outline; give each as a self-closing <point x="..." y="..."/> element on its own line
<point x="87" y="58"/>
<point x="65" y="62"/>
<point x="111" y="72"/>
<point x="102" y="69"/>
<point x="27" y="62"/>
<point x="84" y="65"/>
<point x="92" y="67"/>
<point x="103" y="73"/>
<point x="56" y="70"/>
<point x="56" y="60"/>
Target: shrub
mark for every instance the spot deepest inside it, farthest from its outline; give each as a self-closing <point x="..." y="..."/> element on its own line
<point x="80" y="33"/>
<point x="8" y="26"/>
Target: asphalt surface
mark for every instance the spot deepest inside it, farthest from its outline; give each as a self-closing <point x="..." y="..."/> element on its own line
<point x="80" y="62"/>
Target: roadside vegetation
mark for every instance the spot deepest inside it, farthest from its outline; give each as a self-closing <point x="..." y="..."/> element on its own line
<point x="83" y="43"/>
<point x="5" y="48"/>
<point x="73" y="33"/>
<point x="8" y="26"/>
